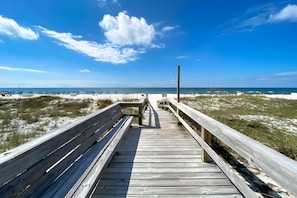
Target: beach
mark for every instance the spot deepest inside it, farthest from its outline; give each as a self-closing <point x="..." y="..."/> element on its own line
<point x="47" y="124"/>
<point x="153" y="98"/>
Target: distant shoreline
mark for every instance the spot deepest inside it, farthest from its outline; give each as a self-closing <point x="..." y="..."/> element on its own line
<point x="152" y="97"/>
<point x="170" y="90"/>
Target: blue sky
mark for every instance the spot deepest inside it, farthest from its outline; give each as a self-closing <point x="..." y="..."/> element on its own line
<point x="125" y="43"/>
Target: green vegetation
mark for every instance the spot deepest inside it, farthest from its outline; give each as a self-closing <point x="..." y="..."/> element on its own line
<point x="263" y="119"/>
<point x="26" y="118"/>
<point x="131" y="110"/>
<point x="103" y="103"/>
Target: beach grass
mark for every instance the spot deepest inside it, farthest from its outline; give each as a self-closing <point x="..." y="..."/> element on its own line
<point x="23" y="119"/>
<point x="103" y="103"/>
<point x="268" y="120"/>
<point x="271" y="121"/>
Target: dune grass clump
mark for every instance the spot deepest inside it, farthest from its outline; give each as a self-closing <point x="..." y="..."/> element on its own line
<point x="103" y="103"/>
<point x="23" y="119"/>
<point x="246" y="114"/>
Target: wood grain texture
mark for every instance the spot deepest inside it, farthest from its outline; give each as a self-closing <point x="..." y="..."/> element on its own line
<point x="161" y="159"/>
<point x="27" y="155"/>
<point x="279" y="167"/>
<point x="42" y="161"/>
<point x="85" y="185"/>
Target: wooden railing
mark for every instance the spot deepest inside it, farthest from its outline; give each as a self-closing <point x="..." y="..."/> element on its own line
<point x="277" y="166"/>
<point x="66" y="162"/>
<point x="141" y="105"/>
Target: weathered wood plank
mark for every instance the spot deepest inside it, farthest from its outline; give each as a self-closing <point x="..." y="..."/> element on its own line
<point x="226" y="168"/>
<point x="174" y="190"/>
<point x="63" y="155"/>
<point x="15" y="159"/>
<point x="85" y="185"/>
<point x="206" y="136"/>
<point x="159" y="170"/>
<point x="157" y="165"/>
<point x="39" y="171"/>
<point x="171" y="196"/>
<point x="169" y="156"/>
<point x="70" y="177"/>
<point x="200" y="175"/>
<point x="161" y="136"/>
<point x="151" y="161"/>
<point x="161" y="143"/>
<point x="171" y="149"/>
<point x="166" y="152"/>
<point x="276" y="165"/>
<point x="165" y="182"/>
<point x="157" y="160"/>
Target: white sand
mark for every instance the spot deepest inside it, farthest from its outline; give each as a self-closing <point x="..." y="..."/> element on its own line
<point x="119" y="97"/>
<point x="292" y="96"/>
<point x="153" y="98"/>
<point x="290" y="126"/>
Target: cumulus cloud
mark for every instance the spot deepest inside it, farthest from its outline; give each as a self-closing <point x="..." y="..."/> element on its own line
<point x="21" y="69"/>
<point x="289" y="13"/>
<point x="84" y="71"/>
<point x="11" y="28"/>
<point x="126" y="38"/>
<point x="100" y="52"/>
<point x="125" y="30"/>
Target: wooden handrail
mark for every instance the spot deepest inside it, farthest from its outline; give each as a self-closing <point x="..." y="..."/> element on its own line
<point x="40" y="162"/>
<point x="141" y="104"/>
<point x="277" y="166"/>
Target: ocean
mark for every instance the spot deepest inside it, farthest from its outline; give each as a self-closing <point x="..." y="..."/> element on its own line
<point x="148" y="90"/>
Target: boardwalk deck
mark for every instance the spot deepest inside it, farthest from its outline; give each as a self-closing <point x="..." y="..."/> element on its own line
<point x="161" y="159"/>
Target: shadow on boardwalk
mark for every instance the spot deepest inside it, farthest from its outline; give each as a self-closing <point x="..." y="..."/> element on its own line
<point x="160" y="158"/>
<point x="117" y="175"/>
<point x="153" y="118"/>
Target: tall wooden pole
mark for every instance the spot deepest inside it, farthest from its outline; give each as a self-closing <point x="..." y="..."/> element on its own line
<point x="178" y="82"/>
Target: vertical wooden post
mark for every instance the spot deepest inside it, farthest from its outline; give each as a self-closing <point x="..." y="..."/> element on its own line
<point x="140" y="115"/>
<point x="206" y="136"/>
<point x="178" y="83"/>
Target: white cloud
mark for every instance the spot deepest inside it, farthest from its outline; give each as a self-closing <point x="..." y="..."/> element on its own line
<point x="276" y="76"/>
<point x="289" y="13"/>
<point x="158" y="46"/>
<point x="103" y="3"/>
<point x="122" y="32"/>
<point x="183" y="57"/>
<point x="125" y="30"/>
<point x="10" y="28"/>
<point x="262" y="15"/>
<point x="290" y="73"/>
<point x="21" y="69"/>
<point x="168" y="28"/>
<point x="100" y="52"/>
<point x="84" y="70"/>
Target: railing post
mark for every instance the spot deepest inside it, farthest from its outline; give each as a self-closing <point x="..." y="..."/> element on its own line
<point x="206" y="136"/>
<point x="140" y="115"/>
<point x="178" y="83"/>
<point x="178" y="89"/>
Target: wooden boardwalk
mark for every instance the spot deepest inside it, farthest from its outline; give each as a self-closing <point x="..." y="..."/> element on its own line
<point x="161" y="159"/>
